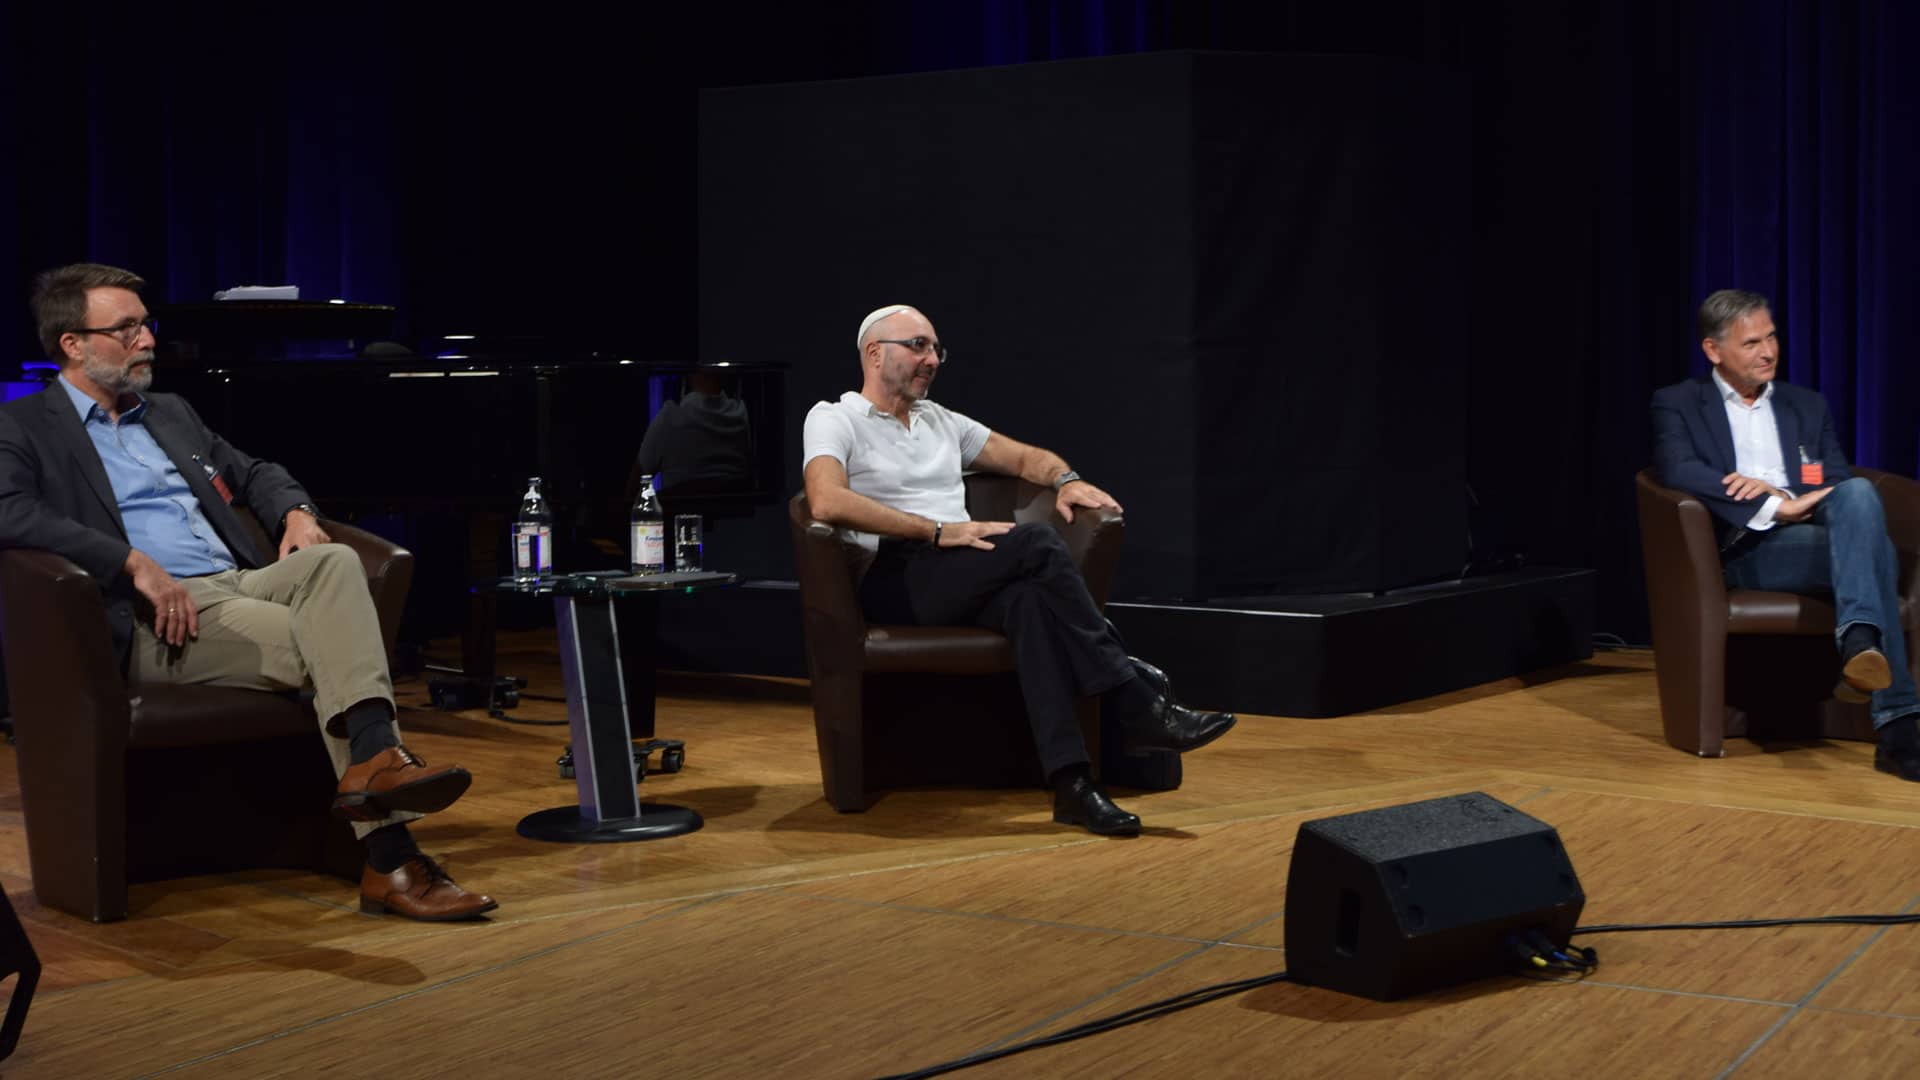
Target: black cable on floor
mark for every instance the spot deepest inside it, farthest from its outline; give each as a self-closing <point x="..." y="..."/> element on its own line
<point x="1101" y="1024"/>
<point x="1744" y="924"/>
<point x="1577" y="965"/>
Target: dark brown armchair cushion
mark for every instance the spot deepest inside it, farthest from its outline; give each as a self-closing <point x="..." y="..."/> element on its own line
<point x="913" y="705"/>
<point x="1747" y="662"/>
<point x="128" y="783"/>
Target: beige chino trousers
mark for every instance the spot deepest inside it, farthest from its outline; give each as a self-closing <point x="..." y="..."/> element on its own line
<point x="305" y="621"/>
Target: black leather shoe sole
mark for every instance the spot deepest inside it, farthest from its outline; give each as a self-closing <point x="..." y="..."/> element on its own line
<point x="1124" y="825"/>
<point x="1906" y="766"/>
<point x="370" y="906"/>
<point x="1142" y="745"/>
<point x="424" y="796"/>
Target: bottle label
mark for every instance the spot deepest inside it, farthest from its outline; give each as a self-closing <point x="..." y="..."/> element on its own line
<point x="649" y="546"/>
<point x="533" y="549"/>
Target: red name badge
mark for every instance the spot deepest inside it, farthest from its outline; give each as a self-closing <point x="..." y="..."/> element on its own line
<point x="1810" y="474"/>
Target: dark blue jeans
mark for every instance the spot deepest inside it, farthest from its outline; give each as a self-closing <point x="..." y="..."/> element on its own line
<point x="1842" y="550"/>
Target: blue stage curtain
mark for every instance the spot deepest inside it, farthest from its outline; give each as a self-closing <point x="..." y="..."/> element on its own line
<point x="1628" y="159"/>
<point x="948" y="35"/>
<point x="200" y="148"/>
<point x="1808" y="168"/>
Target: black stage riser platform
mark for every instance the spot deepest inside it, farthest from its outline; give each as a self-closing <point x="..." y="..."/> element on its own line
<point x="1276" y="656"/>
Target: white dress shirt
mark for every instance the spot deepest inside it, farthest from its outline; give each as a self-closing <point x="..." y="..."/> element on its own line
<point x="1756" y="446"/>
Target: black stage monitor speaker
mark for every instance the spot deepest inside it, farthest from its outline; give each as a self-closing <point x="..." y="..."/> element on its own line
<point x="1406" y="899"/>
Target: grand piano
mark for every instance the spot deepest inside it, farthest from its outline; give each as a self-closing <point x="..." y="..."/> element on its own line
<point x="432" y="447"/>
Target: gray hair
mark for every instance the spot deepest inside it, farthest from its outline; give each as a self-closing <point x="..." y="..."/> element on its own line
<point x="1726" y="307"/>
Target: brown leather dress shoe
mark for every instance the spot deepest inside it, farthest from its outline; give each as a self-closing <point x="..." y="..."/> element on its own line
<point x="394" y="779"/>
<point x="420" y="890"/>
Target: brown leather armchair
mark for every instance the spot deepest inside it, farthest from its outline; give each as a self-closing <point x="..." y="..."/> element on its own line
<point x="125" y="783"/>
<point x="1749" y="663"/>
<point x="896" y="706"/>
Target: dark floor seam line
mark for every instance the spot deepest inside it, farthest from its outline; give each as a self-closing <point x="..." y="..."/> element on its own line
<point x="990" y="916"/>
<point x="1529" y="798"/>
<point x="1672" y="993"/>
<point x="1131" y="982"/>
<point x="1801" y="1005"/>
<point x="1755" y="1046"/>
<point x="1041" y="1024"/>
<point x="1910" y="1017"/>
<point x="1251" y="945"/>
<point x="1250" y="928"/>
<point x="65" y="991"/>
<point x="443" y="984"/>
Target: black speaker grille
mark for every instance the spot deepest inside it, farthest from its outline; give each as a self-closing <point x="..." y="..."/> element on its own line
<point x="1404" y="899"/>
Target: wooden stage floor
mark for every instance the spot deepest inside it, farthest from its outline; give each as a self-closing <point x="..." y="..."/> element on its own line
<point x="786" y="939"/>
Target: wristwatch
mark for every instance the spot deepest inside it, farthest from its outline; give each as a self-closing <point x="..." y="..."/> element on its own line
<point x="1064" y="479"/>
<point x="308" y="507"/>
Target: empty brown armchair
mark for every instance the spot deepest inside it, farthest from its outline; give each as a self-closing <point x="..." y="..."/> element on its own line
<point x="895" y="706"/>
<point x="128" y="783"/>
<point x="1750" y="663"/>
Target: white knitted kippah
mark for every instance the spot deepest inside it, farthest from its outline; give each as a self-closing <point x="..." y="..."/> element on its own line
<point x="877" y="314"/>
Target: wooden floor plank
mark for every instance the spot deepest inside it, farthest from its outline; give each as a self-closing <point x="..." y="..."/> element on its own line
<point x="1826" y="1044"/>
<point x="132" y="1026"/>
<point x="787" y="937"/>
<point x="1885" y="979"/>
<point x="830" y="990"/>
<point x="1496" y="1028"/>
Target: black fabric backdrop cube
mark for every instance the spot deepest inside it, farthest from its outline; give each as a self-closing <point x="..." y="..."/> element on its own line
<point x="1229" y="288"/>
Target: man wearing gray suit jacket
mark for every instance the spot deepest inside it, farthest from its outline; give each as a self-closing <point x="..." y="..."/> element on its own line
<point x="138" y="492"/>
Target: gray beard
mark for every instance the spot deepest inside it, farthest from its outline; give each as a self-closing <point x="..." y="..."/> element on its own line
<point x="115" y="380"/>
<point x="907" y="391"/>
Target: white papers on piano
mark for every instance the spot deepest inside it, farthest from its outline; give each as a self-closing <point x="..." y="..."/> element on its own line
<point x="259" y="292"/>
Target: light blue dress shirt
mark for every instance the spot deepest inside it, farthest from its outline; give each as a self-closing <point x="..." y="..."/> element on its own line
<point x="162" y="516"/>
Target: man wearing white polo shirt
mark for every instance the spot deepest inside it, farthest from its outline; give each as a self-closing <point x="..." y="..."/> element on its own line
<point x="884" y="464"/>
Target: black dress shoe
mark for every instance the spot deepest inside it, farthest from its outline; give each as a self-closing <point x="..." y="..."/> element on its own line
<point x="1079" y="801"/>
<point x="1169" y="725"/>
<point x="1899" y="749"/>
<point x="1150" y="674"/>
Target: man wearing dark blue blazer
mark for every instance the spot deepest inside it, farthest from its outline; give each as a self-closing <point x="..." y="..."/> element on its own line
<point x="1763" y="458"/>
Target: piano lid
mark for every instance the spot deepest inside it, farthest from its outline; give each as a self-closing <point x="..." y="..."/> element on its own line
<point x="233" y="331"/>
